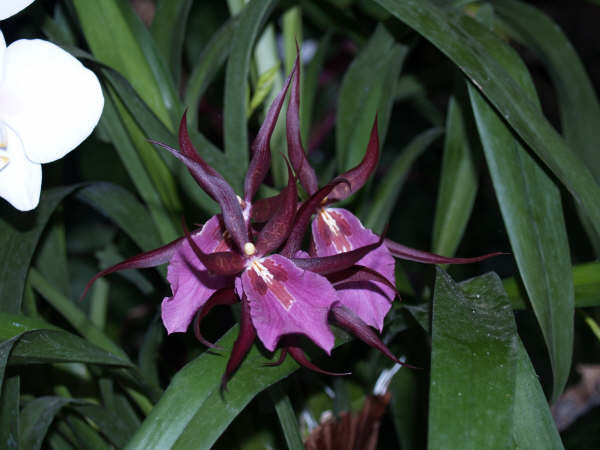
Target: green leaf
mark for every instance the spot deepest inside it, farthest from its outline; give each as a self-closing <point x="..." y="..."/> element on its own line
<point x="287" y="417"/>
<point x="110" y="424"/>
<point x="309" y="86"/>
<point x="389" y="186"/>
<point x="74" y="315"/>
<point x="577" y="101"/>
<point x="533" y="425"/>
<point x="36" y="417"/>
<point x="365" y="92"/>
<point x="473" y="49"/>
<point x="9" y="413"/>
<point x="532" y="212"/>
<point x="206" y="68"/>
<point x="234" y="110"/>
<point x="111" y="123"/>
<point x="264" y="86"/>
<point x="458" y="184"/>
<point x="403" y="388"/>
<point x="181" y="420"/>
<point x="120" y="206"/>
<point x="586" y="282"/>
<point x="473" y="365"/>
<point x="19" y="235"/>
<point x="129" y="48"/>
<point x="51" y="257"/>
<point x="168" y="30"/>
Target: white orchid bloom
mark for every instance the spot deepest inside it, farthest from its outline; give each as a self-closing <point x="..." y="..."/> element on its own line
<point x="11" y="7"/>
<point x="49" y="103"/>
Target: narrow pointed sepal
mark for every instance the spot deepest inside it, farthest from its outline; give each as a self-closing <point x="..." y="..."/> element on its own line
<point x="359" y="175"/>
<point x="213" y="184"/>
<point x="411" y="254"/>
<point x="280" y="360"/>
<point x="242" y="344"/>
<point x="261" y="147"/>
<point x="219" y="263"/>
<point x="358" y="273"/>
<point x="221" y="297"/>
<point x="351" y="322"/>
<point x="330" y="264"/>
<point x="303" y="169"/>
<point x="300" y="358"/>
<point x="304" y="214"/>
<point x="144" y="260"/>
<point x="277" y="229"/>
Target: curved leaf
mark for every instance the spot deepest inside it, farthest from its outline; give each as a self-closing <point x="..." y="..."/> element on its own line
<point x="471" y="47"/>
<point x="181" y="420"/>
<point x="458" y="184"/>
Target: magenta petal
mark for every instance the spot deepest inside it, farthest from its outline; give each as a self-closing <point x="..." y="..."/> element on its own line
<point x="191" y="284"/>
<point x="287" y="300"/>
<point x="337" y="230"/>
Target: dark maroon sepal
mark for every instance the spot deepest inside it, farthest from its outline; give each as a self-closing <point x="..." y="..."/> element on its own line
<point x="359" y="175"/>
<point x="221" y="297"/>
<point x="152" y="258"/>
<point x="262" y="210"/>
<point x="411" y="254"/>
<point x="261" y="147"/>
<point x="350" y="321"/>
<point x="280" y="360"/>
<point x="303" y="169"/>
<point x="277" y="229"/>
<point x="220" y="263"/>
<point x="304" y="214"/>
<point x="242" y="344"/>
<point x="359" y="273"/>
<point x="300" y="357"/>
<point x="213" y="183"/>
<point x="325" y="265"/>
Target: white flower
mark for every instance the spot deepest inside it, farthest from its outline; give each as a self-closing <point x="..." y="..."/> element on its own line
<point x="49" y="103"/>
<point x="11" y="7"/>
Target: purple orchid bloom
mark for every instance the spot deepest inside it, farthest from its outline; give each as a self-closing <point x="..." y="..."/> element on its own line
<point x="337" y="230"/>
<point x="251" y="253"/>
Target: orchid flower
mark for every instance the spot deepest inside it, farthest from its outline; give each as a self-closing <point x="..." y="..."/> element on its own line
<point x="250" y="253"/>
<point x="337" y="230"/>
<point x="49" y="103"/>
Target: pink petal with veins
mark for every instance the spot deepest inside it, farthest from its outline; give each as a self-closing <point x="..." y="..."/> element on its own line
<point x="191" y="284"/>
<point x="287" y="300"/>
<point x="337" y="230"/>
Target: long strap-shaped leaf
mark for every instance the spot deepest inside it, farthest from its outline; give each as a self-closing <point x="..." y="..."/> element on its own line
<point x="532" y="211"/>
<point x="467" y="44"/>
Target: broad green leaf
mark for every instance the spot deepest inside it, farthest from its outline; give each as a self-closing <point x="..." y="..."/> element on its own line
<point x="120" y="206"/>
<point x="532" y="212"/>
<point x="206" y="68"/>
<point x="586" y="283"/>
<point x="578" y="104"/>
<point x="111" y="123"/>
<point x="287" y="417"/>
<point x="291" y="23"/>
<point x="182" y="420"/>
<point x="168" y="30"/>
<point x="458" y="184"/>
<point x="234" y="109"/>
<point x="388" y="188"/>
<point x="364" y="93"/>
<point x="473" y="49"/>
<point x="129" y="48"/>
<point x="473" y="365"/>
<point x="36" y="417"/>
<point x="533" y="425"/>
<point x="19" y="235"/>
